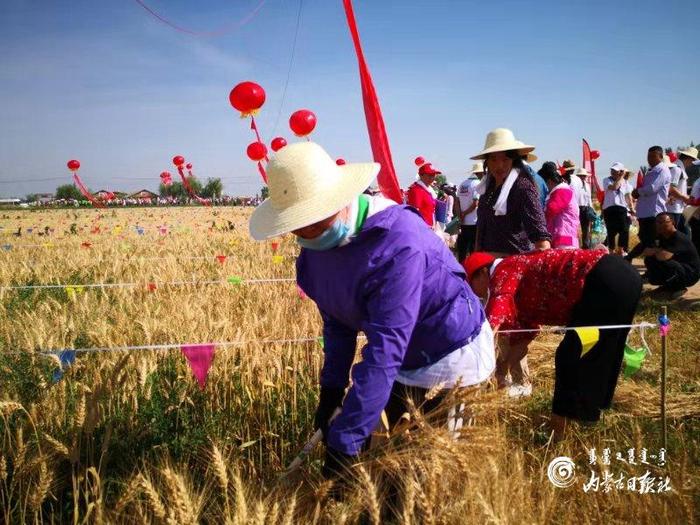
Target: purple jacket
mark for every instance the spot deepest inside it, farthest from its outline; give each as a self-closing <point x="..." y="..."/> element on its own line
<point x="399" y="284"/>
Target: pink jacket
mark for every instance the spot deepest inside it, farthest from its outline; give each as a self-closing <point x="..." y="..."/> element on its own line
<point x="561" y="213"/>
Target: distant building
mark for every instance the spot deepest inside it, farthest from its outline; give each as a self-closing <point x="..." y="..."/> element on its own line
<point x="44" y="198"/>
<point x="143" y="194"/>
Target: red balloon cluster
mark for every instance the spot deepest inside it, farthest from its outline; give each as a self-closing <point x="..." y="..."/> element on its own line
<point x="340" y="162"/>
<point x="247" y="97"/>
<point x="302" y="122"/>
<point x="166" y="178"/>
<point x="278" y="143"/>
<point x="178" y="160"/>
<point x="256" y="151"/>
<point x="419" y="161"/>
<point x="73" y="165"/>
<point x="595" y="154"/>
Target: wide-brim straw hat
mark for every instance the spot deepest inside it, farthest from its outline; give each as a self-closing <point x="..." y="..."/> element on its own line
<point x="477" y="167"/>
<point x="306" y="186"/>
<point x="582" y="172"/>
<point x="502" y="139"/>
<point x="689" y="152"/>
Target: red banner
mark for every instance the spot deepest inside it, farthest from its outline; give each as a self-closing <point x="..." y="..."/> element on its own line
<point x="189" y="189"/>
<point x="589" y="165"/>
<point x="388" y="183"/>
<point x="89" y="196"/>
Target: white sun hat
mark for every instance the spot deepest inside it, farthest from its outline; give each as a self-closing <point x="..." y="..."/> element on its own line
<point x="582" y="172"/>
<point x="689" y="152"/>
<point x="477" y="167"/>
<point x="306" y="186"/>
<point x="618" y="166"/>
<point x="502" y="139"/>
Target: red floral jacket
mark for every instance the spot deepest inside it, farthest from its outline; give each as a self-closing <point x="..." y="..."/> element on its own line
<point x="538" y="288"/>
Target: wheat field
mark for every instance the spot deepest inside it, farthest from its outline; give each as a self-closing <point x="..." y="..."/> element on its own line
<point x="129" y="437"/>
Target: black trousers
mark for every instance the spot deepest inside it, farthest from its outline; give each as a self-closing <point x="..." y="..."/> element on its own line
<point x="695" y="232"/>
<point x="647" y="236"/>
<point x="399" y="398"/>
<point x="585" y="385"/>
<point x="466" y="240"/>
<point x="616" y="223"/>
<point x="585" y="221"/>
<point x="670" y="274"/>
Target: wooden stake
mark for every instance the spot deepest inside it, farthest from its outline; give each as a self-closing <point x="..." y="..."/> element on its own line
<point x="664" y="437"/>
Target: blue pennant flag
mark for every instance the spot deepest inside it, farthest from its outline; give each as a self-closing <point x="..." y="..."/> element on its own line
<point x="67" y="358"/>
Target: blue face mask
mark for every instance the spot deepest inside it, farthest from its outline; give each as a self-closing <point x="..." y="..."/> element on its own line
<point x="328" y="239"/>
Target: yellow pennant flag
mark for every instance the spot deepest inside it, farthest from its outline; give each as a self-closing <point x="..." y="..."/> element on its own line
<point x="277" y="259"/>
<point x="589" y="337"/>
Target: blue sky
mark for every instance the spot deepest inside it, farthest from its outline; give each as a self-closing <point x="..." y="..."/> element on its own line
<point x="104" y="82"/>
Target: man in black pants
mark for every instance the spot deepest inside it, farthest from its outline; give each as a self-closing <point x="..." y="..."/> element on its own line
<point x="652" y="197"/>
<point x="468" y="200"/>
<point x="674" y="264"/>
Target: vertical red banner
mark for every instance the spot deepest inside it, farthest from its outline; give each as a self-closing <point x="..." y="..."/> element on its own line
<point x="589" y="165"/>
<point x="388" y="183"/>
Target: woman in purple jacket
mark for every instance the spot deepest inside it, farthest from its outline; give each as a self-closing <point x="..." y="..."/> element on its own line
<point x="372" y="266"/>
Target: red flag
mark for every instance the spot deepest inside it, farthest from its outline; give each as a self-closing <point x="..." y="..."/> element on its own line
<point x="89" y="196"/>
<point x="199" y="357"/>
<point x="388" y="183"/>
<point x="640" y="178"/>
<point x="589" y="165"/>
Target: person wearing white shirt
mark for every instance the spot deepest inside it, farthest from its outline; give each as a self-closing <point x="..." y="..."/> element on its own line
<point x="586" y="213"/>
<point x="615" y="208"/>
<point x="679" y="188"/>
<point x="468" y="198"/>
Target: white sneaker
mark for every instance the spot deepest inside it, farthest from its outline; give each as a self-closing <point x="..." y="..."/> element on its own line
<point x="517" y="390"/>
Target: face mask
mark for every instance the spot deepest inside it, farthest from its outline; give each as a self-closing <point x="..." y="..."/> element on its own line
<point x="328" y="239"/>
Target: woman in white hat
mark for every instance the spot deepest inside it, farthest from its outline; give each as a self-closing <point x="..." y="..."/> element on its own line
<point x="372" y="266"/>
<point x="509" y="217"/>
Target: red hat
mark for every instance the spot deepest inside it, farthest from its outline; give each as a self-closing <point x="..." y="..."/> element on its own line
<point x="427" y="169"/>
<point x="476" y="261"/>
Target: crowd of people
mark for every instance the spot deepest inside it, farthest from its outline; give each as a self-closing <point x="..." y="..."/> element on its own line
<point x="436" y="322"/>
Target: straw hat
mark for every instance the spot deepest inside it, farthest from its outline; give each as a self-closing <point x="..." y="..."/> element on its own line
<point x="689" y="152"/>
<point x="568" y="165"/>
<point x="477" y="167"/>
<point x="582" y="172"/>
<point x="530" y="157"/>
<point x="306" y="186"/>
<point x="502" y="139"/>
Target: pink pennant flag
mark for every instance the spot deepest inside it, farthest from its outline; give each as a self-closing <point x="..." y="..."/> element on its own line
<point x="199" y="357"/>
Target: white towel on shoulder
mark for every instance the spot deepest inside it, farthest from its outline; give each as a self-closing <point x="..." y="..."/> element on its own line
<point x="501" y="206"/>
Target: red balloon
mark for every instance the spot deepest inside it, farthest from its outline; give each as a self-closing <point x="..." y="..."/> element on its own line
<point x="672" y="156"/>
<point x="340" y="162"/>
<point x="256" y="151"/>
<point x="419" y="161"/>
<point x="178" y="160"/>
<point x="595" y="154"/>
<point x="302" y="122"/>
<point x="278" y="143"/>
<point x="73" y="165"/>
<point x="247" y="97"/>
<point x="165" y="175"/>
<point x="189" y="166"/>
